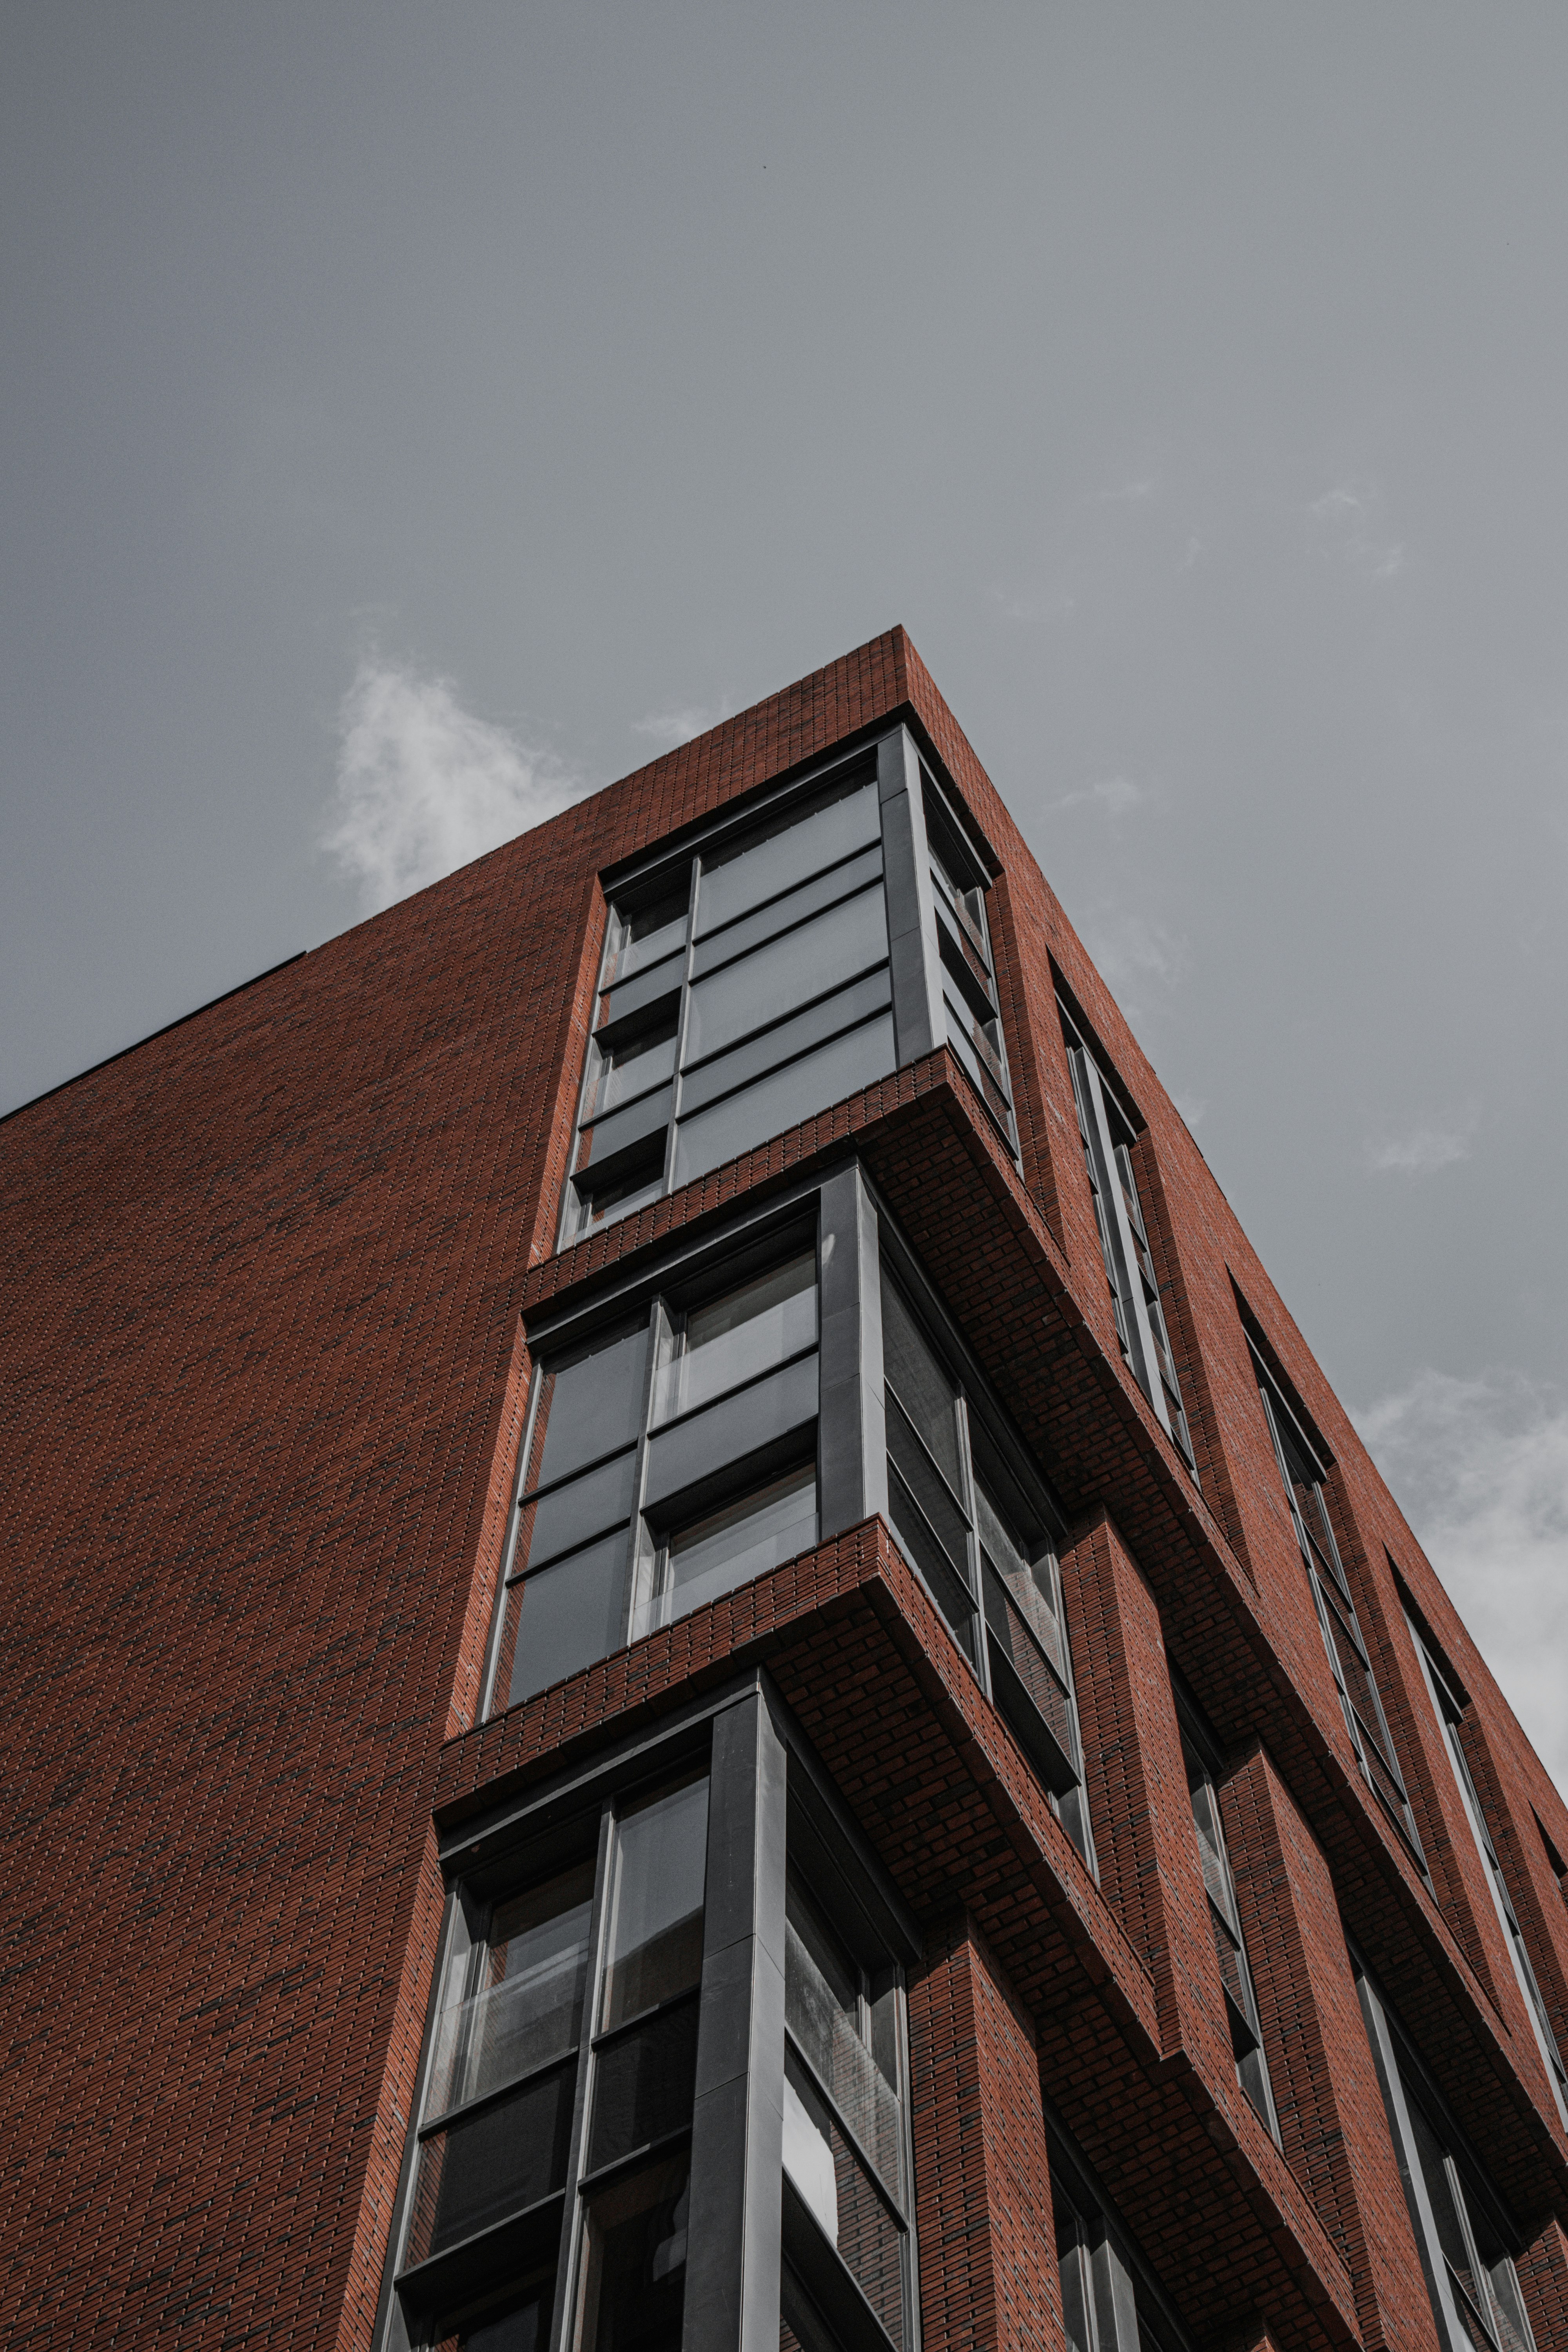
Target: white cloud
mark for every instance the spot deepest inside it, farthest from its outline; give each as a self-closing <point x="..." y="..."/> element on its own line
<point x="423" y="786"/>
<point x="1112" y="796"/>
<point x="1480" y="1469"/>
<point x="1351" y="519"/>
<point x="1131" y="493"/>
<point x="1137" y="958"/>
<point x="1423" y="1150"/>
<point x="678" y="725"/>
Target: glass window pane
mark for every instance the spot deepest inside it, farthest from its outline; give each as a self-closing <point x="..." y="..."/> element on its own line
<point x="619" y="1135"/>
<point x="837" y="2190"/>
<point x="653" y="931"/>
<point x="643" y="2084"/>
<point x="790" y="1095"/>
<point x="823" y="890"/>
<point x="947" y="1587"/>
<point x="846" y="1009"/>
<point x="656" y="1915"/>
<point x="517" y="2321"/>
<point x="823" y="2012"/>
<point x="634" y="2263"/>
<point x="588" y="1406"/>
<point x="803" y="841"/>
<point x="632" y="1068"/>
<point x="491" y="2162"/>
<point x="732" y="1339"/>
<point x="923" y="1389"/>
<point x="1029" y="1582"/>
<point x="527" y="2007"/>
<point x="567" y="1515"/>
<point x="746" y="1539"/>
<point x="602" y="1204"/>
<point x="568" y="1615"/>
<point x="1044" y="1686"/>
<point x="822" y="954"/>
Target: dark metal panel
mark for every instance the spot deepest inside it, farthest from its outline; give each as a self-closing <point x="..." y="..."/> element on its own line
<point x="852" y="1467"/>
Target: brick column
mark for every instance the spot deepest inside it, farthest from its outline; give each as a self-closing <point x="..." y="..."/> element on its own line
<point x="1543" y="2281"/>
<point x="983" y="2195"/>
<point x="1326" y="2091"/>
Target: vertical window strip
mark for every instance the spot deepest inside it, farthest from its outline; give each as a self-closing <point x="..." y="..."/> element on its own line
<point x="1230" y="1945"/>
<point x="1349" y="1659"/>
<point x="1142" y="1331"/>
<point x="1450" y="1712"/>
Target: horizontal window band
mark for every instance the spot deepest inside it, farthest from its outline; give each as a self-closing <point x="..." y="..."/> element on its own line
<point x="456" y="2272"/>
<point x="563" y="1558"/>
<point x="626" y="2026"/>
<point x="801" y="1089"/>
<point x="724" y="1396"/>
<point x="460" y="2114"/>
<point x="663" y="2146"/>
<point x="569" y="1477"/>
<point x="776" y="918"/>
<point x="816" y="1024"/>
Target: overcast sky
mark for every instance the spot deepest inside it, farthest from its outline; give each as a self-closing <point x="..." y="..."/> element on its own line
<point x="414" y="415"/>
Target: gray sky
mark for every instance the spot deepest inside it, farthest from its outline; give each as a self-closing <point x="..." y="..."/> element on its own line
<point x="412" y="416"/>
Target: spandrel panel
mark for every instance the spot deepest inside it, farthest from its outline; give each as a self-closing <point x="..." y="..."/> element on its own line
<point x="790" y="1095"/>
<point x="568" y="1615"/>
<point x="821" y="955"/>
<point x="801" y="843"/>
<point x="656" y="1920"/>
<point x="588" y="1407"/>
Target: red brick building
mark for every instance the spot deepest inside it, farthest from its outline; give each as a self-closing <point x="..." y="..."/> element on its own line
<point x="694" y="1658"/>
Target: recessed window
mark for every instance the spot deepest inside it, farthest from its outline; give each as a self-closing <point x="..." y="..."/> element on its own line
<point x="732" y="1545"/>
<point x="1443" y="1690"/>
<point x="1304" y="1473"/>
<point x="1108" y="1139"/>
<point x="1224" y="1920"/>
<point x="974" y="1524"/>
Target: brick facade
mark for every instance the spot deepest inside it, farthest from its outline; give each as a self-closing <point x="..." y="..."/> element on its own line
<point x="265" y="1374"/>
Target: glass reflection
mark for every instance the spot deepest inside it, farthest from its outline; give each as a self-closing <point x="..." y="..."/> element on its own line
<point x="732" y="1339"/>
<point x="655" y="1916"/>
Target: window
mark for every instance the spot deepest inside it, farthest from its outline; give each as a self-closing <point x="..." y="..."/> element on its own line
<point x="593" y="1969"/>
<point x="1304" y="1473"/>
<point x="1108" y="1137"/>
<point x="1462" y="2229"/>
<point x="1201" y="1759"/>
<point x="846" y="2158"/>
<point x="750" y="982"/>
<point x="976" y="1524"/>
<point x="973" y="1023"/>
<point x="666" y="1462"/>
<point x="1106" y="2289"/>
<point x="1450" y="1710"/>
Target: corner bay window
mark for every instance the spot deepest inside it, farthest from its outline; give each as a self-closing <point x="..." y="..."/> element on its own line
<point x="1304" y="1473"/>
<point x="799" y="952"/>
<point x="1108" y="1137"/>
<point x="670" y="2046"/>
<point x="676" y="1448"/>
<point x="541" y="1980"/>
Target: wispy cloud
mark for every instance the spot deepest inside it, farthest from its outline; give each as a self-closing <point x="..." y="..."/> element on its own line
<point x="423" y="785"/>
<point x="1481" y="1468"/>
<point x="1140" y="960"/>
<point x="1132" y="493"/>
<point x="679" y="725"/>
<point x="1351" y="519"/>
<point x="1020" y="604"/>
<point x="1111" y="796"/>
<point x="1423" y="1150"/>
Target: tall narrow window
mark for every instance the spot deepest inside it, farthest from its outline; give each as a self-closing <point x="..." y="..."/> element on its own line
<point x="1304" y="1473"/>
<point x="521" y="2166"/>
<point x="968" y="968"/>
<point x="977" y="1528"/>
<point x="1224" y="1920"/>
<point x="845" y="2136"/>
<point x="1108" y="1137"/>
<point x="1104" y="2303"/>
<point x="1461" y="2228"/>
<point x="1450" y="1710"/>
